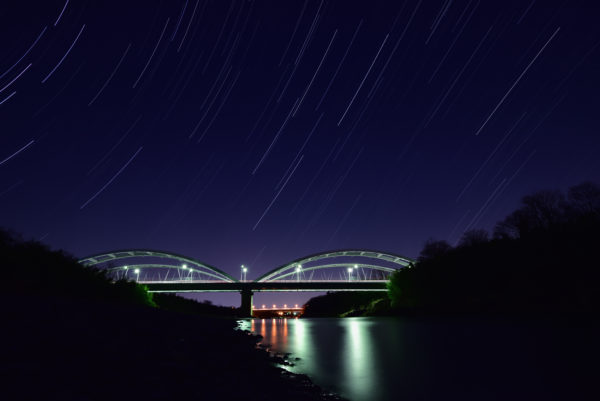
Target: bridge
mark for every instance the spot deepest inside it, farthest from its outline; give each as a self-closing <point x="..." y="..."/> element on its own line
<point x="341" y="270"/>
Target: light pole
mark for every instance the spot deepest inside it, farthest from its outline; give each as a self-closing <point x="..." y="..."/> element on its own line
<point x="298" y="270"/>
<point x="137" y="271"/>
<point x="125" y="274"/>
<point x="243" y="274"/>
<point x="350" y="273"/>
<point x="184" y="267"/>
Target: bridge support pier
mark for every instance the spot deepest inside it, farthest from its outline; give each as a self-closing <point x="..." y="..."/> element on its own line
<point x="246" y="307"/>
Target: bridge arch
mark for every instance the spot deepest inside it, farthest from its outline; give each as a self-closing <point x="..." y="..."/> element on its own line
<point x="178" y="262"/>
<point x="375" y="260"/>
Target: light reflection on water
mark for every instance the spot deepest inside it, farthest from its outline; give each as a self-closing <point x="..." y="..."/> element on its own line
<point x="358" y="355"/>
<point x="302" y="346"/>
<point x="285" y="332"/>
<point x="335" y="353"/>
<point x="274" y="330"/>
<point x="390" y="359"/>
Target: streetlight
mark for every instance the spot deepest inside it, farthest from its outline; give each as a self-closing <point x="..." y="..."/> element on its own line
<point x="298" y="270"/>
<point x="184" y="267"/>
<point x="243" y="274"/>
<point x="350" y="273"/>
<point x="137" y="271"/>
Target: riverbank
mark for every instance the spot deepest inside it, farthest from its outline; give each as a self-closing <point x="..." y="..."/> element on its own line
<point x="61" y="349"/>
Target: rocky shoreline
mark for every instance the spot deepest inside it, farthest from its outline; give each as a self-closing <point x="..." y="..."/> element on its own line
<point x="62" y="349"/>
<point x="301" y="382"/>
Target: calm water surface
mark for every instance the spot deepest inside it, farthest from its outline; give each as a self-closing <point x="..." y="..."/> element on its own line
<point x="437" y="359"/>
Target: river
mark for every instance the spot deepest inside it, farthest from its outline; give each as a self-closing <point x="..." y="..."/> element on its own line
<point x="433" y="359"/>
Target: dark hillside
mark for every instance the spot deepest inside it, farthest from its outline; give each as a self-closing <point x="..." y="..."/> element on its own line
<point x="71" y="333"/>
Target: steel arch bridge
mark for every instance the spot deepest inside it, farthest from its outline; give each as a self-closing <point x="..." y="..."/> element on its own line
<point x="299" y="266"/>
<point x="357" y="270"/>
<point x="117" y="263"/>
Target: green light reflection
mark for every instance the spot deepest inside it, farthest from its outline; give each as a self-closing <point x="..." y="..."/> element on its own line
<point x="358" y="355"/>
<point x="303" y="345"/>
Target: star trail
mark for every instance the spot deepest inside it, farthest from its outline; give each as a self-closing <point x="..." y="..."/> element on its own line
<point x="257" y="132"/>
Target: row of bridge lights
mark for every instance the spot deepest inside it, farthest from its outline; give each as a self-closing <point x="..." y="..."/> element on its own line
<point x="298" y="271"/>
<point x="350" y="270"/>
<point x="245" y="271"/>
<point x="275" y="306"/>
<point x="137" y="271"/>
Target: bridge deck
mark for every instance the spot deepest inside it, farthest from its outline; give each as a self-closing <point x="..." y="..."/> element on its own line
<point x="314" y="286"/>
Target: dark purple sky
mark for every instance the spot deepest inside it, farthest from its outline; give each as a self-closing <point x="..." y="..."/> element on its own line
<point x="260" y="132"/>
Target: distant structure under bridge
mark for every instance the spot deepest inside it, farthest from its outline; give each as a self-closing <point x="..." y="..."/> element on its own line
<point x="274" y="311"/>
<point x="341" y="270"/>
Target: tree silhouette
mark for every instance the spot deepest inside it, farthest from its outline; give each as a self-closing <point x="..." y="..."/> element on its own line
<point x="538" y="211"/>
<point x="584" y="199"/>
<point x="433" y="249"/>
<point x="473" y="237"/>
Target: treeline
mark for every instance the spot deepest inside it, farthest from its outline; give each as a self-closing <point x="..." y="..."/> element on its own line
<point x="179" y="304"/>
<point x="342" y="304"/>
<point x="541" y="259"/>
<point x="31" y="268"/>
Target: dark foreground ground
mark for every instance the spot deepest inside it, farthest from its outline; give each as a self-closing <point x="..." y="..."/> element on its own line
<point x="54" y="349"/>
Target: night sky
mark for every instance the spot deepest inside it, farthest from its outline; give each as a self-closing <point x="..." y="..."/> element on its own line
<point x="258" y="132"/>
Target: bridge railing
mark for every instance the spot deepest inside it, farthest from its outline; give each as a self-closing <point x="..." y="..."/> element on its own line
<point x="184" y="281"/>
<point x="327" y="281"/>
